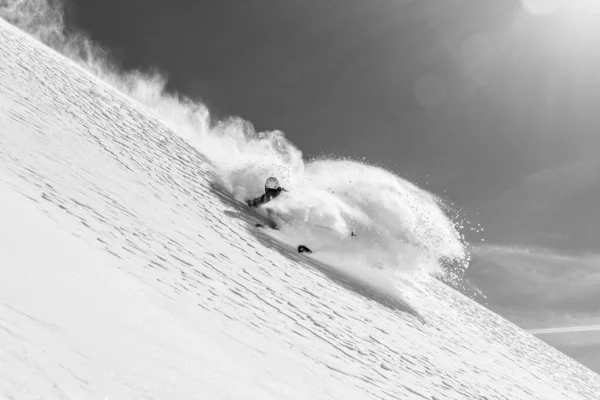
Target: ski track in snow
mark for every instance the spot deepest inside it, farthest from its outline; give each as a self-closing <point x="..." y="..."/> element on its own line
<point x="126" y="274"/>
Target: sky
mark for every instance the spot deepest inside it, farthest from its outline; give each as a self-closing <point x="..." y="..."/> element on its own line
<point x="490" y="104"/>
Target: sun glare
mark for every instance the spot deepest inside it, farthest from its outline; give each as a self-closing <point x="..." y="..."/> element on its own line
<point x="542" y="7"/>
<point x="573" y="8"/>
<point x="576" y="20"/>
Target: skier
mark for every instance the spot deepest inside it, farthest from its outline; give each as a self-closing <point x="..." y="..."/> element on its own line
<point x="272" y="190"/>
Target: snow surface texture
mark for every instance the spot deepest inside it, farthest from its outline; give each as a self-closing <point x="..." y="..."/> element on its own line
<point x="127" y="271"/>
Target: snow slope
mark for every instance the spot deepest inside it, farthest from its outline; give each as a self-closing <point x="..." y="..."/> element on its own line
<point x="126" y="272"/>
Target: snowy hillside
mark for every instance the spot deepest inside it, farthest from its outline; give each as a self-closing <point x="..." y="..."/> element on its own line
<point x="127" y="272"/>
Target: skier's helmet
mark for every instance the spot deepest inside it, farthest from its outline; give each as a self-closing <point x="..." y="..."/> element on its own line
<point x="272" y="183"/>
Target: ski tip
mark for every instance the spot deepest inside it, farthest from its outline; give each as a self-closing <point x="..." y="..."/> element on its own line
<point x="303" y="249"/>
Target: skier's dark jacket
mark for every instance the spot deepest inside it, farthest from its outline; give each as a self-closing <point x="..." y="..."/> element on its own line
<point x="269" y="195"/>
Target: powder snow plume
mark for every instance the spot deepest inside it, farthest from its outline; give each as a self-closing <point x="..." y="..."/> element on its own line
<point x="355" y="215"/>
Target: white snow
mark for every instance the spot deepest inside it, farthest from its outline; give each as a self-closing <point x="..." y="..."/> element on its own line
<point x="126" y="273"/>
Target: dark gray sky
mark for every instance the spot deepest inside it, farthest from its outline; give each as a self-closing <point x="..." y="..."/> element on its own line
<point x="492" y="104"/>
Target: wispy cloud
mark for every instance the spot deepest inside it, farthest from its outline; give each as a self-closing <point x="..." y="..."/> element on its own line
<point x="553" y="207"/>
<point x="567" y="329"/>
<point x="550" y="186"/>
<point x="539" y="287"/>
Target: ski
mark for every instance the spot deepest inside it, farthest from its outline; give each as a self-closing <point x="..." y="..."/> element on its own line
<point x="301" y="248"/>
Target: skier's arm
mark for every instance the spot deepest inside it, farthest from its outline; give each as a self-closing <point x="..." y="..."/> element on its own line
<point x="259" y="201"/>
<point x="256" y="202"/>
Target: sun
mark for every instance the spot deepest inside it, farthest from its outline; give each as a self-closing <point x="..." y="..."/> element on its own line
<point x="572" y="8"/>
<point x="542" y="7"/>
